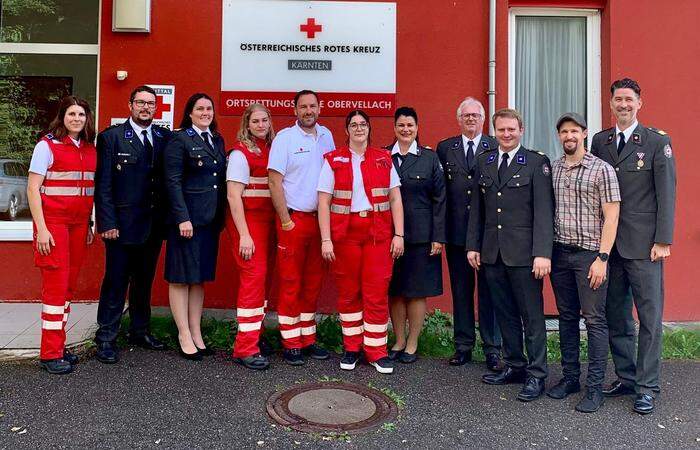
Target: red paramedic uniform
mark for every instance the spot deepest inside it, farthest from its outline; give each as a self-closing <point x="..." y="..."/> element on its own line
<point x="260" y="218"/>
<point x="361" y="243"/>
<point x="66" y="201"/>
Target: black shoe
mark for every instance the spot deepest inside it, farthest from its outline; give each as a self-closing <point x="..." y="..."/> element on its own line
<point x="254" y="362"/>
<point x="460" y="358"/>
<point x="147" y="341"/>
<point x="395" y="354"/>
<point x="70" y="357"/>
<point x="265" y="346"/>
<point x="349" y="360"/>
<point x="493" y="362"/>
<point x="644" y="404"/>
<point x="383" y="365"/>
<point x="534" y="387"/>
<point x="591" y="401"/>
<point x="206" y="351"/>
<point x="196" y="356"/>
<point x="617" y="388"/>
<point x="107" y="353"/>
<point x="506" y="376"/>
<point x="57" y="366"/>
<point x="293" y="356"/>
<point x="563" y="388"/>
<point x="315" y="352"/>
<point x="408" y="358"/>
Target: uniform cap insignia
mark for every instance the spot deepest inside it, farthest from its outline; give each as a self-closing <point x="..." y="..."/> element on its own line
<point x="545" y="170"/>
<point x="667" y="151"/>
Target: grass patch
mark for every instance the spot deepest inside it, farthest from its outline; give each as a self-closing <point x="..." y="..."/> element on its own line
<point x="396" y="397"/>
<point x="435" y="341"/>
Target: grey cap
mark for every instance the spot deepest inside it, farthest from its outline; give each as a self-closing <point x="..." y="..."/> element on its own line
<point x="572" y="117"/>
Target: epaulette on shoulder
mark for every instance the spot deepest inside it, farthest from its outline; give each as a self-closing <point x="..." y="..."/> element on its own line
<point x="428" y="147"/>
<point x="657" y="131"/>
<point x="537" y="151"/>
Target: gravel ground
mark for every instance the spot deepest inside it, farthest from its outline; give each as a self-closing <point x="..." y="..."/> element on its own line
<point x="152" y="400"/>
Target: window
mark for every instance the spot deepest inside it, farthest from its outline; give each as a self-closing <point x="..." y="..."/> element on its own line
<point x="554" y="67"/>
<point x="48" y="49"/>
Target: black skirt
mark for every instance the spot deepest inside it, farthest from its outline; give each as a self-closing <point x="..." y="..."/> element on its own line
<point x="417" y="274"/>
<point x="192" y="261"/>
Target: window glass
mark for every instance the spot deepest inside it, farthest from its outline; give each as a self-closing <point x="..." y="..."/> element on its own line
<point x="49" y="21"/>
<point x="550" y="76"/>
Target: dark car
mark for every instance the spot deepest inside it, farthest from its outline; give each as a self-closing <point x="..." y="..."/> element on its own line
<point x="13" y="188"/>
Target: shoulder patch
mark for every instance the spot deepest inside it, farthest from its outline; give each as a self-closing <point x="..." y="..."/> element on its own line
<point x="49" y="136"/>
<point x="546" y="170"/>
<point x="668" y="152"/>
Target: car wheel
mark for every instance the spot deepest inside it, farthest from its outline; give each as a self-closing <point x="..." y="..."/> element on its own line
<point x="12" y="208"/>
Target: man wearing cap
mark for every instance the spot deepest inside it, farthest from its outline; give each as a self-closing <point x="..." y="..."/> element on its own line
<point x="646" y="170"/>
<point x="587" y="205"/>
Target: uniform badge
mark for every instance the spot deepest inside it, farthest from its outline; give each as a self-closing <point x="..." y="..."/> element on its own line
<point x="640" y="157"/>
<point x="157" y="132"/>
<point x="484" y="144"/>
<point x="545" y="170"/>
<point x="128" y="133"/>
<point x="636" y="138"/>
<point x="667" y="151"/>
<point x="456" y="145"/>
<point x="610" y="138"/>
<point x="491" y="158"/>
<point x="342" y="159"/>
<point x="200" y="163"/>
<point x="520" y="159"/>
<point x="49" y="136"/>
<point x="190" y="132"/>
<point x="119" y="167"/>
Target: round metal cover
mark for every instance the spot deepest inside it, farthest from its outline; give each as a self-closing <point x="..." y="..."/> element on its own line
<point x="331" y="407"/>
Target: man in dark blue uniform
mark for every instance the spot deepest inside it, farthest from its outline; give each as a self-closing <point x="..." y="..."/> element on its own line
<point x="458" y="157"/>
<point x="130" y="209"/>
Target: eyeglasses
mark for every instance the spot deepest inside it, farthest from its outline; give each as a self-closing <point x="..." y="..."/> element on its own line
<point x="361" y="125"/>
<point x="142" y="103"/>
<point x="470" y="116"/>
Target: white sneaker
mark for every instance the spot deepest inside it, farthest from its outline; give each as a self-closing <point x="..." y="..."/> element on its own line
<point x="349" y="360"/>
<point x="383" y="365"/>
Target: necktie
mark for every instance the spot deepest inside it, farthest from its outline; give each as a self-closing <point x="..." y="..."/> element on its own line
<point x="470" y="154"/>
<point x="503" y="167"/>
<point x="401" y="158"/>
<point x="148" y="146"/>
<point x="621" y="144"/>
<point x="205" y="136"/>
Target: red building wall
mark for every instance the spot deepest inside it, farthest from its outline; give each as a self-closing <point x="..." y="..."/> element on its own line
<point x="442" y="49"/>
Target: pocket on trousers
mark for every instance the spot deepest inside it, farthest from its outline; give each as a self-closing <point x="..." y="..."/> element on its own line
<point x="49" y="261"/>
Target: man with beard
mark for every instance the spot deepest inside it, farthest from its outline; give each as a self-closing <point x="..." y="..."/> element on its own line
<point x="129" y="207"/>
<point x="294" y="166"/>
<point x="587" y="205"/>
<point x="646" y="170"/>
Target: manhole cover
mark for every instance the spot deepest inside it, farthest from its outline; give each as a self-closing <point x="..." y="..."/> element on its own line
<point x="331" y="407"/>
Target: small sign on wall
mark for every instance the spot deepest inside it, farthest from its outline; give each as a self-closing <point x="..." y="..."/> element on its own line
<point x="165" y="107"/>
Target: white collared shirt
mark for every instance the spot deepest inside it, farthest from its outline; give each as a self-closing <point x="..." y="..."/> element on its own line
<point x="298" y="156"/>
<point x="627" y="133"/>
<point x="359" y="201"/>
<point x="476" y="141"/>
<point x="511" y="154"/>
<point x="138" y="130"/>
<point x="199" y="132"/>
<point x="413" y="149"/>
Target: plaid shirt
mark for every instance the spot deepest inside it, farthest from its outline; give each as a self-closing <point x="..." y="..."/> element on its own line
<point x="579" y="193"/>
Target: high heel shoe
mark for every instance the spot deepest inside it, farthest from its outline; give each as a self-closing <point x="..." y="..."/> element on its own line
<point x="205" y="351"/>
<point x="196" y="356"/>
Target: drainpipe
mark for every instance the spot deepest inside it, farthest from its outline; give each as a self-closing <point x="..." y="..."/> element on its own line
<point x="492" y="63"/>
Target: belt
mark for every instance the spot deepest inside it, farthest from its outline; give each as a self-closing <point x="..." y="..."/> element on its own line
<point x="294" y="211"/>
<point x="364" y="213"/>
<point x="571" y="248"/>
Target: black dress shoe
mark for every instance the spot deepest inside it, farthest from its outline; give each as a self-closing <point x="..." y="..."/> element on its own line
<point x="70" y="357"/>
<point x="196" y="356"/>
<point x="591" y="401"/>
<point x="206" y="351"/>
<point x="460" y="358"/>
<point x="254" y="362"/>
<point x="493" y="362"/>
<point x="315" y="352"/>
<point x="395" y="354"/>
<point x="644" y="404"/>
<point x="408" y="358"/>
<point x="617" y="388"/>
<point x="293" y="356"/>
<point x="107" y="353"/>
<point x="147" y="341"/>
<point x="57" y="366"/>
<point x="564" y="388"/>
<point x="534" y="387"/>
<point x="506" y="376"/>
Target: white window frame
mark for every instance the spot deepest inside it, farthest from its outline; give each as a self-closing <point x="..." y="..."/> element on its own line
<point x="593" y="70"/>
<point x="22" y="230"/>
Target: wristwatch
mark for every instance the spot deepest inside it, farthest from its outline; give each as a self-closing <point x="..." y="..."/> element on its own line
<point x="603" y="256"/>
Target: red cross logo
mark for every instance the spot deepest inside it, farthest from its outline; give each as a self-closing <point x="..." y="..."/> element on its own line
<point x="310" y="28"/>
<point x="161" y="107"/>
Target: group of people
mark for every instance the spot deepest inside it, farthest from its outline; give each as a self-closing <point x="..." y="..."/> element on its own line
<point x="380" y="218"/>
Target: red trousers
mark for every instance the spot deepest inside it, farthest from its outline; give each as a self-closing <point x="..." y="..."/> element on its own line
<point x="250" y="308"/>
<point x="362" y="271"/>
<point x="300" y="267"/>
<point x="59" y="278"/>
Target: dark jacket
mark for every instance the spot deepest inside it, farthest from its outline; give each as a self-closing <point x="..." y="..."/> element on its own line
<point x="459" y="182"/>
<point x="129" y="186"/>
<point x="423" y="197"/>
<point x="513" y="216"/>
<point x="646" y="172"/>
<point x="195" y="178"/>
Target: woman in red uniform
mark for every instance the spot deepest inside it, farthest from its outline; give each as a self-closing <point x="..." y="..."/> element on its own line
<point x="250" y="226"/>
<point x="361" y="220"/>
<point x="60" y="191"/>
